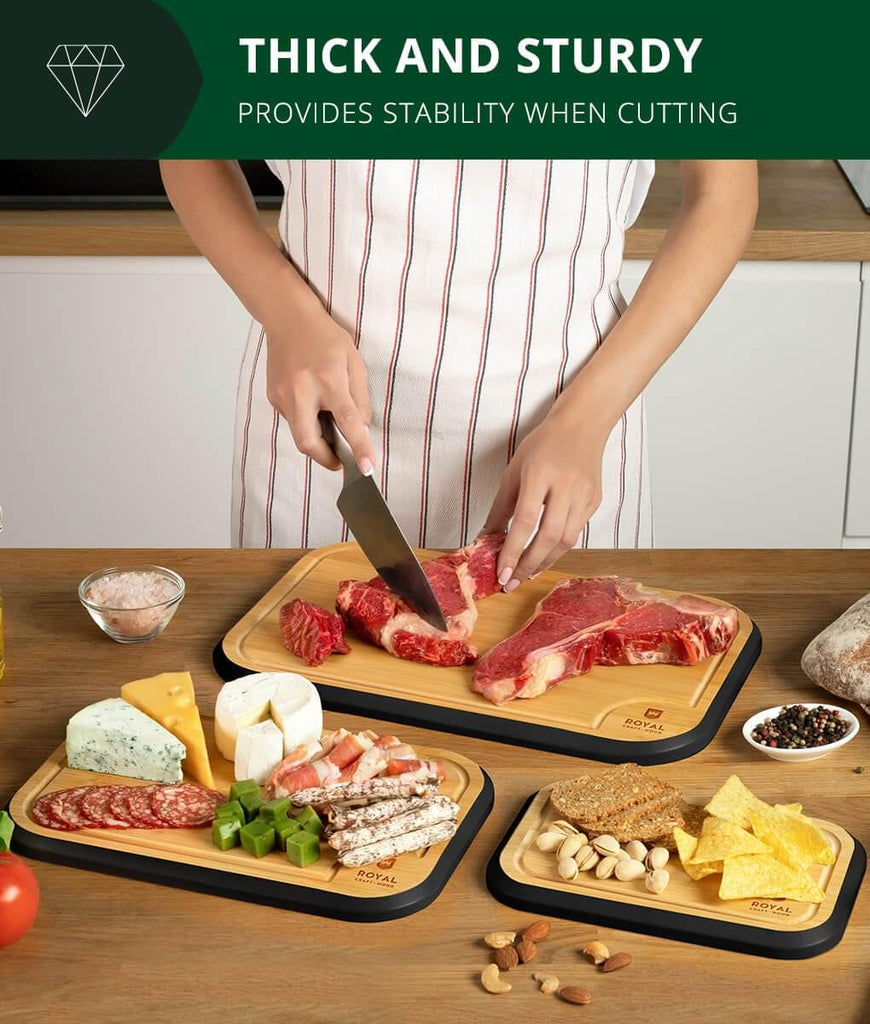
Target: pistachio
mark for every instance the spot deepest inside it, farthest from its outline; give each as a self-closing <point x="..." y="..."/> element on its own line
<point x="549" y="841"/>
<point x="565" y="827"/>
<point x="628" y="870"/>
<point x="657" y="858"/>
<point x="596" y="951"/>
<point x="621" y="855"/>
<point x="569" y="846"/>
<point x="657" y="881"/>
<point x="605" y="845"/>
<point x="636" y="849"/>
<point x="567" y="868"/>
<point x="605" y="867"/>
<point x="587" y="858"/>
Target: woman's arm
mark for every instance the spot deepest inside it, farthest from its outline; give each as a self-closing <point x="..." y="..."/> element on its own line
<point x="559" y="464"/>
<point x="313" y="363"/>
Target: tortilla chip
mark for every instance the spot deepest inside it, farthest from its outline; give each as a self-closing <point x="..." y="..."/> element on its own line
<point x="686" y="846"/>
<point x="760" y="876"/>
<point x="804" y="839"/>
<point x="721" y="839"/>
<point x="733" y="802"/>
<point x="765" y="827"/>
<point x="789" y="808"/>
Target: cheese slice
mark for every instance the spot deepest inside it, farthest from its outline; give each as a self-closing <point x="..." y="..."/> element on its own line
<point x="259" y="748"/>
<point x="296" y="709"/>
<point x="115" y="738"/>
<point x="241" y="702"/>
<point x="170" y="700"/>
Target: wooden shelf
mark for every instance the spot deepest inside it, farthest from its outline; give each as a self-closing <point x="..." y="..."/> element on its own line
<point x="807" y="212"/>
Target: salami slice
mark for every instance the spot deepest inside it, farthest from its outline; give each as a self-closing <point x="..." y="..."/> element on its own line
<point x="97" y="805"/>
<point x="65" y="807"/>
<point x="39" y="813"/>
<point x="185" y="805"/>
<point x="138" y="800"/>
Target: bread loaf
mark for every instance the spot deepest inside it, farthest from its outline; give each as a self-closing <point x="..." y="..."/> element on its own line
<point x="839" y="658"/>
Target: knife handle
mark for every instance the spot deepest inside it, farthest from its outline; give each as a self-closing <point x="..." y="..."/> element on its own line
<point x="338" y="443"/>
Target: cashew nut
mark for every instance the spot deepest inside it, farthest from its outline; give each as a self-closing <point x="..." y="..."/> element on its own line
<point x="498" y="940"/>
<point x="489" y="978"/>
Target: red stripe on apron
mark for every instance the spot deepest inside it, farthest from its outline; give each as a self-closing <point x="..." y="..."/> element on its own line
<point x="484" y="349"/>
<point x="530" y="310"/>
<point x="247" y="427"/>
<point x="306" y="480"/>
<point x="442" y="333"/>
<point x="361" y="284"/>
<point x="273" y="446"/>
<point x="572" y="271"/>
<point x="400" y="324"/>
<point x="639" y="486"/>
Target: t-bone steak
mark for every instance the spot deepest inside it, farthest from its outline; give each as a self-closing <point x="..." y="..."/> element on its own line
<point x="376" y="614"/>
<point x="605" y="620"/>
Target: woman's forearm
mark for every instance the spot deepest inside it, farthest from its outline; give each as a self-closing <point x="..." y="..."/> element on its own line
<point x="215" y="204"/>
<point x="701" y="248"/>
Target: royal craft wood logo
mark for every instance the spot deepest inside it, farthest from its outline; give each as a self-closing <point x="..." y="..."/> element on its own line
<point x="85" y="72"/>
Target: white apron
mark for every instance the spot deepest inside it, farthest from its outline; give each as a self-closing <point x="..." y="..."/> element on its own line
<point x="475" y="291"/>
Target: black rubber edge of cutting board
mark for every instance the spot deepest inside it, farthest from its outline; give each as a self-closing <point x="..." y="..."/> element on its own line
<point x="260" y="890"/>
<point x="491" y="726"/>
<point x="668" y="924"/>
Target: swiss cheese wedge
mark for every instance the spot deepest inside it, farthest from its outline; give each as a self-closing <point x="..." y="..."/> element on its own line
<point x="169" y="699"/>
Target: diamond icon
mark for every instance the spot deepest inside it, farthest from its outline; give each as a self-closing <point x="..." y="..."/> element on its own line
<point x="85" y="71"/>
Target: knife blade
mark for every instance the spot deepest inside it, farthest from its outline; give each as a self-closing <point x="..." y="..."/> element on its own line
<point x="376" y="531"/>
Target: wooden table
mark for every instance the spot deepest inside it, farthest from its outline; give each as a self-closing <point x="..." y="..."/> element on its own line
<point x="807" y="211"/>
<point x="107" y="948"/>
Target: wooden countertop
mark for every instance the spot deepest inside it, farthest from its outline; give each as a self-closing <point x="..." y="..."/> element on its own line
<point x="168" y="955"/>
<point x="807" y="212"/>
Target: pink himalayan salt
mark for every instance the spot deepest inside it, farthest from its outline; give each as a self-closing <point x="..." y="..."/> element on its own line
<point x="135" y="591"/>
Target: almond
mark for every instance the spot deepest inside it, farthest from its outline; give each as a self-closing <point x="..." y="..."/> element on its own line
<point x="506" y="958"/>
<point x="616" y="962"/>
<point x="576" y="995"/>
<point x="537" y="932"/>
<point x="526" y="950"/>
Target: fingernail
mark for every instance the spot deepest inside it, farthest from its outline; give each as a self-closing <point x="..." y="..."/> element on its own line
<point x="535" y="575"/>
<point x="512" y="585"/>
<point x="366" y="466"/>
<point x="505" y="574"/>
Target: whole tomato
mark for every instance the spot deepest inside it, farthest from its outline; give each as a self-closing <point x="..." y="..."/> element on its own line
<point x="19" y="898"/>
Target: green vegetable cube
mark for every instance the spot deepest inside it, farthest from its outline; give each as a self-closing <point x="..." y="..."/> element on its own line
<point x="6" y="827"/>
<point x="275" y="810"/>
<point x="245" y="786"/>
<point x="225" y="832"/>
<point x="232" y="810"/>
<point x="284" y="829"/>
<point x="303" y="848"/>
<point x="258" y="838"/>
<point x="251" y="802"/>
<point x="309" y="819"/>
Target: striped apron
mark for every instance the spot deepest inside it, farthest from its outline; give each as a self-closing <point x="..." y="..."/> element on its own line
<point x="475" y="290"/>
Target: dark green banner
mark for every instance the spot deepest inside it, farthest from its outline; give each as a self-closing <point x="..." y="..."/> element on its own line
<point x="192" y="78"/>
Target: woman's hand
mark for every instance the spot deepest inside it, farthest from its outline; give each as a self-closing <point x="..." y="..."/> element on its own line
<point x="556" y="468"/>
<point x="313" y="365"/>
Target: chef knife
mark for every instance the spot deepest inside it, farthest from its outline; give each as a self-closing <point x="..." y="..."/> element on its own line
<point x="377" y="532"/>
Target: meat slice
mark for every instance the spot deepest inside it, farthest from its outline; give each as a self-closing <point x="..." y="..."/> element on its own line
<point x="606" y="621"/>
<point x="311" y="632"/>
<point x="382" y="618"/>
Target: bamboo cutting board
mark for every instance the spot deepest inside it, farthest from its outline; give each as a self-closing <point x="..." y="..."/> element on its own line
<point x="644" y="713"/>
<point x="523" y="876"/>
<point x="187" y="858"/>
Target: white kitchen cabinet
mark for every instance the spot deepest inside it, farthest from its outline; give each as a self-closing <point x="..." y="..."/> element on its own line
<point x="858" y="506"/>
<point x="749" y="422"/>
<point x="117" y="391"/>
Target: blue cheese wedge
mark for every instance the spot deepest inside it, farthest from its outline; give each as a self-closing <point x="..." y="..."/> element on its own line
<point x="114" y="738"/>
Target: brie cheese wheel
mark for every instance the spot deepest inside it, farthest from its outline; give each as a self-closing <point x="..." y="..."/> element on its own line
<point x="259" y="748"/>
<point x="296" y="710"/>
<point x="291" y="699"/>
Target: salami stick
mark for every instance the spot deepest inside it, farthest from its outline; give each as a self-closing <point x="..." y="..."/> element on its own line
<point x="419" y="784"/>
<point x="341" y="817"/>
<point x="432" y="811"/>
<point x="410" y="841"/>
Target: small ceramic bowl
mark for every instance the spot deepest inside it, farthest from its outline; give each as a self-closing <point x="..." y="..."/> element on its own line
<point x="801" y="753"/>
<point x="128" y="621"/>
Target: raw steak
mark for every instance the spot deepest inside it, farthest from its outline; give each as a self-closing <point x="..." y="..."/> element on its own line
<point x="604" y="620"/>
<point x="377" y="615"/>
<point x="311" y="632"/>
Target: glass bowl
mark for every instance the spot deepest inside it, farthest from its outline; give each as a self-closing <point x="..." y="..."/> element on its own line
<point x="133" y="618"/>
